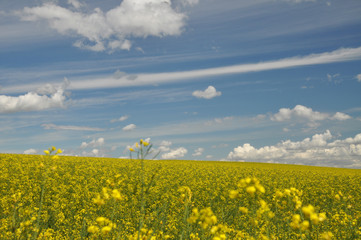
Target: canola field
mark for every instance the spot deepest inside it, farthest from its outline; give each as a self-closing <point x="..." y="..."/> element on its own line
<point x="59" y="197"/>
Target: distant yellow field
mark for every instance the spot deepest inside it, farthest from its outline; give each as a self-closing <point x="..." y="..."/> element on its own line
<point x="44" y="197"/>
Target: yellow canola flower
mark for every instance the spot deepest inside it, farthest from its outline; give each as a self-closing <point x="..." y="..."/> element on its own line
<point x="53" y="148"/>
<point x="322" y="216"/>
<point x="260" y="188"/>
<point x="116" y="195"/>
<point x="98" y="200"/>
<point x="131" y="149"/>
<point x="244" y="210"/>
<point x="233" y="194"/>
<point x="305" y="225"/>
<point x="308" y="211"/>
<point x="47" y="152"/>
<point x="106" y="229"/>
<point x="101" y="220"/>
<point x="314" y="218"/>
<point x="93" y="229"/>
<point x="59" y="151"/>
<point x="251" y="190"/>
<point x="327" y="236"/>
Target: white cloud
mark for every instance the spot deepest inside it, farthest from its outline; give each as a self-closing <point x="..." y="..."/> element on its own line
<point x="121" y="119"/>
<point x="209" y="93"/>
<point x="340" y="116"/>
<point x="164" y="146"/>
<point x="305" y="114"/>
<point x="143" y="79"/>
<point x="189" y="2"/>
<point x="76" y="3"/>
<point x="31" y="102"/>
<point x="299" y="111"/>
<point x="110" y="30"/>
<point x="317" y="150"/>
<point x="94" y="143"/>
<point x="30" y="151"/>
<point x="219" y="121"/>
<point x="358" y="77"/>
<point x="198" y="152"/>
<point x="69" y="127"/>
<point x="176" y="153"/>
<point x="95" y="151"/>
<point x="129" y="127"/>
<point x="340" y="55"/>
<point x="46" y="97"/>
<point x="335" y="78"/>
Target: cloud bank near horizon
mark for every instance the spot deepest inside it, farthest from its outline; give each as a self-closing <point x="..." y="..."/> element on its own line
<point x="318" y="150"/>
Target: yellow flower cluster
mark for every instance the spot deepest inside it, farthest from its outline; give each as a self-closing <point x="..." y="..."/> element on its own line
<point x="206" y="219"/>
<point x="103" y="227"/>
<point x="288" y="198"/>
<point x="54" y="151"/>
<point x="251" y="185"/>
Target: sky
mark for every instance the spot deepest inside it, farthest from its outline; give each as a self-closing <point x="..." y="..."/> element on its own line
<point x="274" y="81"/>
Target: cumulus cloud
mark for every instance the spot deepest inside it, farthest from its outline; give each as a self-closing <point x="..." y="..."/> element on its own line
<point x="340" y="116"/>
<point x="110" y="30"/>
<point x="198" y="152"/>
<point x="175" y="153"/>
<point x="32" y="102"/>
<point x="165" y="146"/>
<point x="358" y="77"/>
<point x="46" y="97"/>
<point x="75" y="3"/>
<point x="94" y="143"/>
<point x="318" y="150"/>
<point x="306" y="114"/>
<point x="209" y="93"/>
<point x="95" y="152"/>
<point x="129" y="127"/>
<point x="30" y="151"/>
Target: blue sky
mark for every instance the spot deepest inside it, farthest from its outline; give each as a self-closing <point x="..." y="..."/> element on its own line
<point x="264" y="81"/>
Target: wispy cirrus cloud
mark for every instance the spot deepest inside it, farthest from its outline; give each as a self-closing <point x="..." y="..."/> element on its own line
<point x="142" y="79"/>
<point x="49" y="126"/>
<point x="120" y="119"/>
<point x="145" y="79"/>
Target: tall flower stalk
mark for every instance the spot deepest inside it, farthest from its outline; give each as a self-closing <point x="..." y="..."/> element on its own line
<point x="142" y="150"/>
